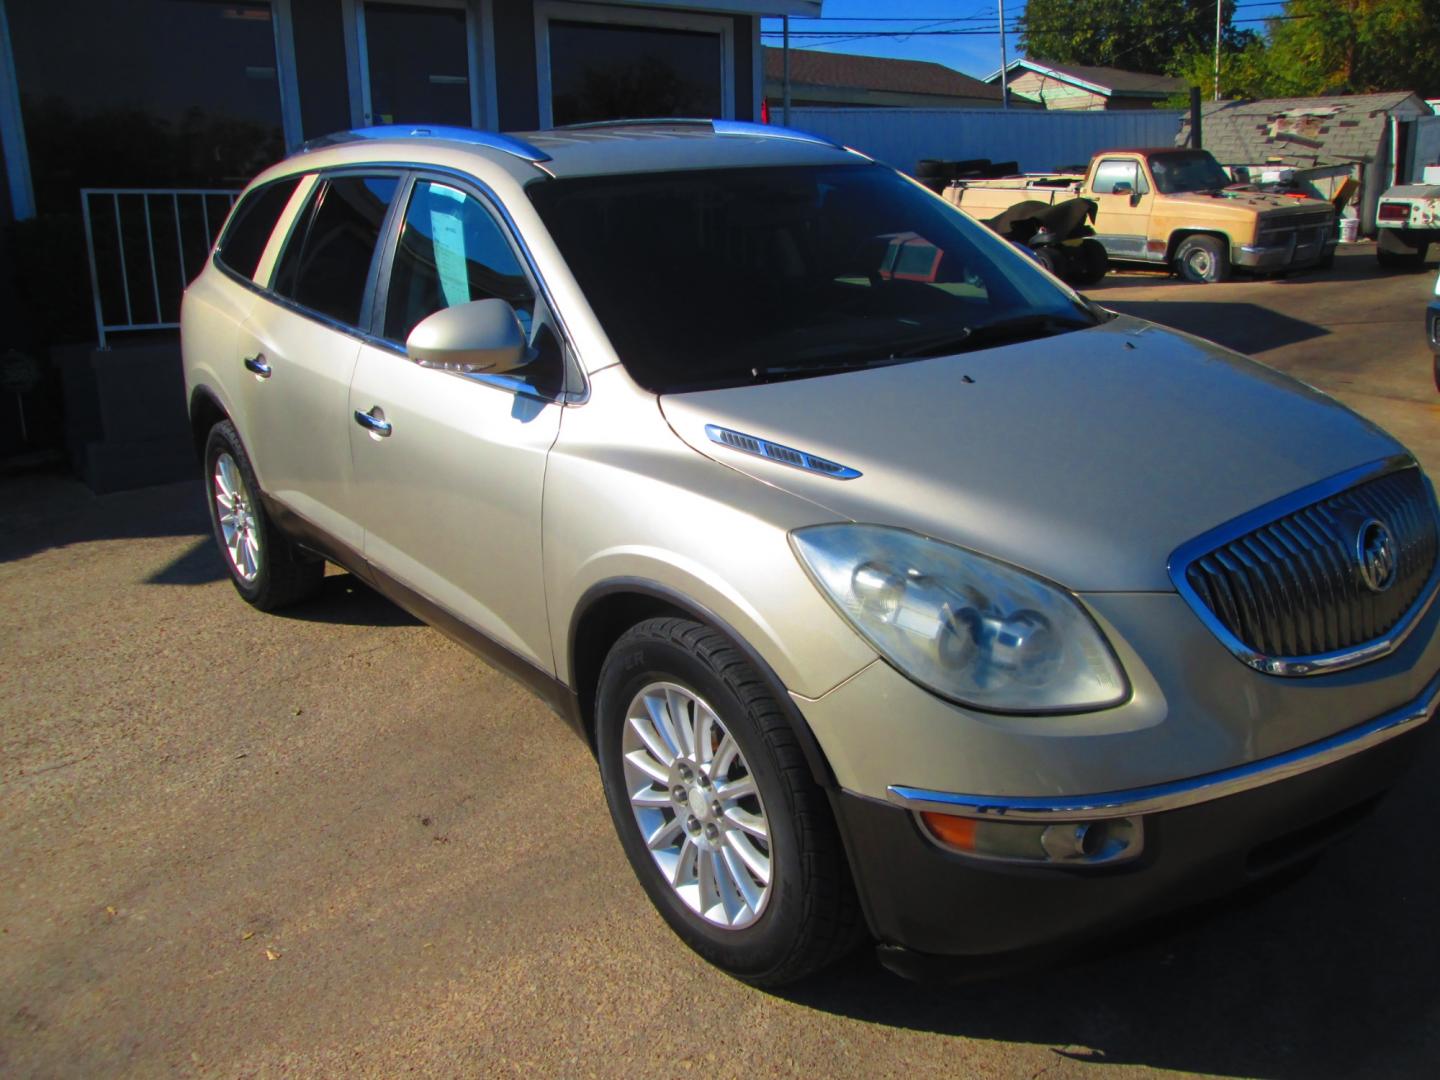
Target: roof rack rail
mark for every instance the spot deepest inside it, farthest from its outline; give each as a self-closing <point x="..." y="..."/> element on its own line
<point x="719" y="127"/>
<point x="771" y="131"/>
<point x="491" y="140"/>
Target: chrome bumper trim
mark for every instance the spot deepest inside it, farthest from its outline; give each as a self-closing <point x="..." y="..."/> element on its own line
<point x="1159" y="798"/>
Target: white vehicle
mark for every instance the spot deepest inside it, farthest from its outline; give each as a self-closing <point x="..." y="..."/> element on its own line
<point x="1408" y="222"/>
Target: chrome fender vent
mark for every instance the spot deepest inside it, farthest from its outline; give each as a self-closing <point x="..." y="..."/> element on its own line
<point x="785" y="455"/>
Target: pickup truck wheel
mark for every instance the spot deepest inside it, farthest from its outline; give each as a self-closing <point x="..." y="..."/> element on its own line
<point x="265" y="567"/>
<point x="716" y="808"/>
<point x="1092" y="263"/>
<point x="1050" y="259"/>
<point x="1437" y="374"/>
<point x="1202" y="259"/>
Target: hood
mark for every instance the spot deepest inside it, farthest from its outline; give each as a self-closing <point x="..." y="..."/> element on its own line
<point x="1260" y="202"/>
<point x="1087" y="458"/>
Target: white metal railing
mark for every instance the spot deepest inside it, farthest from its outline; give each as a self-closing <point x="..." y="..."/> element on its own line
<point x="144" y="244"/>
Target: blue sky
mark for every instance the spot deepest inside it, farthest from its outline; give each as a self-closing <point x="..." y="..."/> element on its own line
<point x="974" y="54"/>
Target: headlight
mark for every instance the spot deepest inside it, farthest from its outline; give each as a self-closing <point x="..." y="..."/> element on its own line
<point x="969" y="628"/>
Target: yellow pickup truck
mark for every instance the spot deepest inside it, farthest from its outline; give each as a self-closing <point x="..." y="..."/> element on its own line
<point x="1176" y="208"/>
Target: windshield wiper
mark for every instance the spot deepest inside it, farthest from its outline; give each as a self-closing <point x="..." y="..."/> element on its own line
<point x="1017" y="328"/>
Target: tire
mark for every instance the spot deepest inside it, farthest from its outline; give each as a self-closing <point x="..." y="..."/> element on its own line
<point x="769" y="909"/>
<point x="263" y="564"/>
<point x="1202" y="259"/>
<point x="1437" y="373"/>
<point x="1050" y="259"/>
<point x="1091" y="263"/>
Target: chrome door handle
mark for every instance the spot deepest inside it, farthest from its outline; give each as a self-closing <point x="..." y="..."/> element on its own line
<point x="376" y="424"/>
<point x="258" y="365"/>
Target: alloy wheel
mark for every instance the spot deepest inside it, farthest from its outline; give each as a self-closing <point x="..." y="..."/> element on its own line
<point x="234" y="509"/>
<point x="697" y="805"/>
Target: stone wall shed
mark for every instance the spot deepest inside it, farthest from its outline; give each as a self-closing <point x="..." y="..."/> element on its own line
<point x="1350" y="129"/>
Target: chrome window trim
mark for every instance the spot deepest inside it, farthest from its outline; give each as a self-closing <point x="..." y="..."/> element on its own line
<point x="1159" y="798"/>
<point x="1319" y="663"/>
<point x="409" y="171"/>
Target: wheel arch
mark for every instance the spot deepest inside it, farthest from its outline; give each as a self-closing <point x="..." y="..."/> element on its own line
<point x="1179" y="236"/>
<point x="609" y="608"/>
<point x="205" y="412"/>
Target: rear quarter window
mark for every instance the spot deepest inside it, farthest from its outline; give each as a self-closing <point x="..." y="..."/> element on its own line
<point x="249" y="228"/>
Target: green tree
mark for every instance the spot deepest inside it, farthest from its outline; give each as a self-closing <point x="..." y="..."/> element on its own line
<point x="1330" y="47"/>
<point x="1137" y="35"/>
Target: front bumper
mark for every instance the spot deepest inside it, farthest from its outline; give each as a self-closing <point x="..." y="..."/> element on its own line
<point x="1306" y="248"/>
<point x="923" y="900"/>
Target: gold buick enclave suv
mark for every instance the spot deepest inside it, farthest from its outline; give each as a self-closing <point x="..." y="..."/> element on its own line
<point x="902" y="593"/>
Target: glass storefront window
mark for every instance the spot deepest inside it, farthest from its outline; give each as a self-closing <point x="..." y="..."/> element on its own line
<point x="149" y="93"/>
<point x="419" y="64"/>
<point x="603" y="71"/>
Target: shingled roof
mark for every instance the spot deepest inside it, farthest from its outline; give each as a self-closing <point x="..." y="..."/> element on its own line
<point x="1108" y="82"/>
<point x="1303" y="132"/>
<point x="815" y="68"/>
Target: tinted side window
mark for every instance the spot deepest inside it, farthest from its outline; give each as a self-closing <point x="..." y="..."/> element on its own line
<point x="326" y="262"/>
<point x="250" y="226"/>
<point x="1110" y="173"/>
<point x="451" y="251"/>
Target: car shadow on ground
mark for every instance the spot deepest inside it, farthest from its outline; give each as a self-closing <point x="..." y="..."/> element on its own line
<point x="1244" y="327"/>
<point x="1330" y="974"/>
<point x="345" y="600"/>
<point x="40" y="511"/>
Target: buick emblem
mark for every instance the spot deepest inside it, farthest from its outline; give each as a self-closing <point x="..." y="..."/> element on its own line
<point x="1375" y="551"/>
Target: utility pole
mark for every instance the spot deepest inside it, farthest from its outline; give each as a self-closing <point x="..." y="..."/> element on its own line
<point x="785" y="51"/>
<point x="1219" y="5"/>
<point x="1004" y="76"/>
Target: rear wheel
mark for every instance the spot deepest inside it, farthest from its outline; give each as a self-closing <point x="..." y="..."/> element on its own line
<point x="265" y="567"/>
<point x="716" y="808"/>
<point x="1091" y="262"/>
<point x="1202" y="259"/>
<point x="1051" y="259"/>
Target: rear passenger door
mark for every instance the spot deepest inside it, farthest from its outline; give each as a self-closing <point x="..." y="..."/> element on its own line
<point x="301" y="347"/>
<point x="450" y="466"/>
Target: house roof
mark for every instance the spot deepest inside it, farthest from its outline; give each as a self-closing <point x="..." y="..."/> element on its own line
<point x="1333" y="130"/>
<point x="816" y="68"/>
<point x="1110" y="82"/>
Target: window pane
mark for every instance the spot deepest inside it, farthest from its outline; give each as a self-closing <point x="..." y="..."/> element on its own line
<point x="251" y="225"/>
<point x="707" y="278"/>
<point x="1110" y="173"/>
<point x="419" y="64"/>
<point x="325" y="265"/>
<point x="151" y="93"/>
<point x="451" y="251"/>
<point x="606" y="72"/>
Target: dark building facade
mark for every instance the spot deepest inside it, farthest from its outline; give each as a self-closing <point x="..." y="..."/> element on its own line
<point x="187" y="99"/>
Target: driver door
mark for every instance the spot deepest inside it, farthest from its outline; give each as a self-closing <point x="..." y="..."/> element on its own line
<point x="450" y="467"/>
<point x="1123" y="193"/>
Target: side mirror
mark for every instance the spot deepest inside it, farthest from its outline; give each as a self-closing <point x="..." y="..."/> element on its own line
<point x="481" y="336"/>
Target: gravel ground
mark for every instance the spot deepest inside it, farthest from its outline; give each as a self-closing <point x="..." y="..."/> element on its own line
<point x="332" y="841"/>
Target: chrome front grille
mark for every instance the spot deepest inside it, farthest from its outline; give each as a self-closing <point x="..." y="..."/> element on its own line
<point x="1289" y="594"/>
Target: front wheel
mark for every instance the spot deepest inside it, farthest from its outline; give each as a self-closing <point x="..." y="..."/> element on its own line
<point x="1202" y="259"/>
<point x="715" y="806"/>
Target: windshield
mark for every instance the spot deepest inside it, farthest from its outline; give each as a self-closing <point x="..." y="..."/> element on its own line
<point x="1192" y="170"/>
<point x="728" y="277"/>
